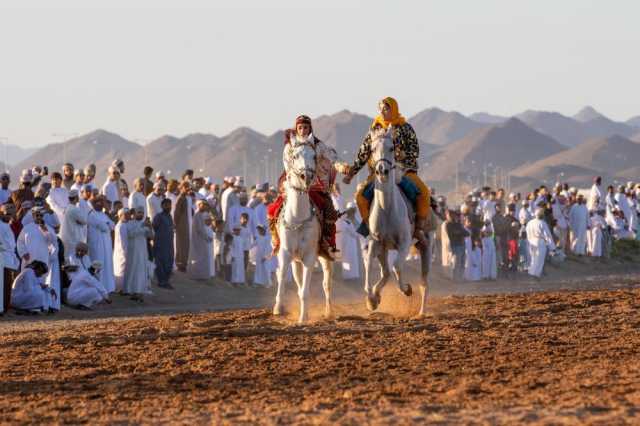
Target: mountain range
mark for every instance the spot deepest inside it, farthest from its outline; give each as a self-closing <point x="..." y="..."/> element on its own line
<point x="531" y="148"/>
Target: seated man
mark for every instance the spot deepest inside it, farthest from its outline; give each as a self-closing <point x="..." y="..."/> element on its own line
<point x="406" y="155"/>
<point x="327" y="165"/>
<point x="29" y="292"/>
<point x="86" y="290"/>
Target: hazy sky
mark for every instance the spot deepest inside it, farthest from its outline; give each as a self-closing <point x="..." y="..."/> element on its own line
<point x="147" y="68"/>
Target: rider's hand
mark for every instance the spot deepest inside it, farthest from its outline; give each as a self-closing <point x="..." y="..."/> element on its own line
<point x="347" y="179"/>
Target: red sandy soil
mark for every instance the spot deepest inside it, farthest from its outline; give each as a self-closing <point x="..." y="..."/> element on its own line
<point x="560" y="357"/>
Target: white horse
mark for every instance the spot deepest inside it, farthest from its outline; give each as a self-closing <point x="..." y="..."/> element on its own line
<point x="299" y="230"/>
<point x="389" y="225"/>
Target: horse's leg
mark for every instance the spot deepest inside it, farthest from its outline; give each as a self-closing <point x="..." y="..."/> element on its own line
<point x="327" y="280"/>
<point x="284" y="262"/>
<point x="398" y="268"/>
<point x="373" y="300"/>
<point x="425" y="265"/>
<point x="368" y="263"/>
<point x="303" y="291"/>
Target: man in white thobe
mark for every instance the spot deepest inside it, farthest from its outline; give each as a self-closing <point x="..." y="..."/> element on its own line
<point x="137" y="197"/>
<point x="539" y="239"/>
<point x="262" y="274"/>
<point x="579" y="224"/>
<point x="623" y="203"/>
<point x="236" y="211"/>
<point x="120" y="243"/>
<point x="347" y="241"/>
<point x="58" y="198"/>
<point x="37" y="240"/>
<point x="85" y="289"/>
<point x="154" y="200"/>
<point x="596" y="196"/>
<point x="99" y="228"/>
<point x="111" y="188"/>
<point x="237" y="257"/>
<point x="29" y="292"/>
<point x="137" y="276"/>
<point x="596" y="237"/>
<point x="74" y="224"/>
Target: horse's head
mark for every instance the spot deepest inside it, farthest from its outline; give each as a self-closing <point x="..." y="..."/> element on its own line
<point x="301" y="165"/>
<point x="382" y="153"/>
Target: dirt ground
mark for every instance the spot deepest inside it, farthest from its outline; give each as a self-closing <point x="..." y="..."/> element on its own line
<point x="562" y="351"/>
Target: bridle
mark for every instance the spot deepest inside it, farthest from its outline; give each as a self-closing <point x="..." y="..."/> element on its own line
<point x="306" y="171"/>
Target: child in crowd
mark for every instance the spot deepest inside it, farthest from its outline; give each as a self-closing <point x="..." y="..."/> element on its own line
<point x="237" y="257"/>
<point x="262" y="274"/>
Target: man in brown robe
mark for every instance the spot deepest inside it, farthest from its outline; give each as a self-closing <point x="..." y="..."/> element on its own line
<point x="182" y="219"/>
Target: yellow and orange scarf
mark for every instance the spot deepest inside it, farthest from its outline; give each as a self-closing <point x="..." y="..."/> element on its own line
<point x="396" y="118"/>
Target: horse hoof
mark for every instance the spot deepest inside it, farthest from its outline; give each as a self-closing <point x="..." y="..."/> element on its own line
<point x="278" y="311"/>
<point x="408" y="291"/>
<point x="373" y="302"/>
<point x="328" y="315"/>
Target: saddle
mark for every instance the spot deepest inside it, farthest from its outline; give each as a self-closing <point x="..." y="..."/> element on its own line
<point x="409" y="192"/>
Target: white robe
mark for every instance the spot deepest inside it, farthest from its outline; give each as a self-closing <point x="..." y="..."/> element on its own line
<point x="539" y="238"/>
<point x="623" y="204"/>
<point x="74" y="228"/>
<point x="446" y="246"/>
<point x="5" y="194"/>
<point x="596" y="199"/>
<point x="119" y="254"/>
<point x="473" y="267"/>
<point x="347" y="240"/>
<point x="579" y="223"/>
<point x="111" y="191"/>
<point x="138" y="200"/>
<point x="173" y="198"/>
<point x="137" y="277"/>
<point x="595" y="235"/>
<point x="233" y="217"/>
<point x="489" y="265"/>
<point x="154" y="205"/>
<point x="262" y="275"/>
<point x="58" y="200"/>
<point x="237" y="260"/>
<point x="8" y="239"/>
<point x="201" y="265"/>
<point x="39" y="244"/>
<point x="228" y="199"/>
<point x="100" y="248"/>
<point x="27" y="292"/>
<point x="86" y="290"/>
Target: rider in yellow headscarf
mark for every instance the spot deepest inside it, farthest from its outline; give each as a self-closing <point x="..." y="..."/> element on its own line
<point x="407" y="151"/>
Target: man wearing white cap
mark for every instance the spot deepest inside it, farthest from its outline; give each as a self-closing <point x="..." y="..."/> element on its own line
<point x="229" y="199"/>
<point x="111" y="188"/>
<point x="137" y="279"/>
<point x="137" y="197"/>
<point x="24" y="192"/>
<point x="120" y="244"/>
<point x="154" y="200"/>
<point x="540" y="239"/>
<point x="58" y="198"/>
<point x="73" y="229"/>
<point x="579" y="224"/>
<point x="99" y="228"/>
<point x="85" y="289"/>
